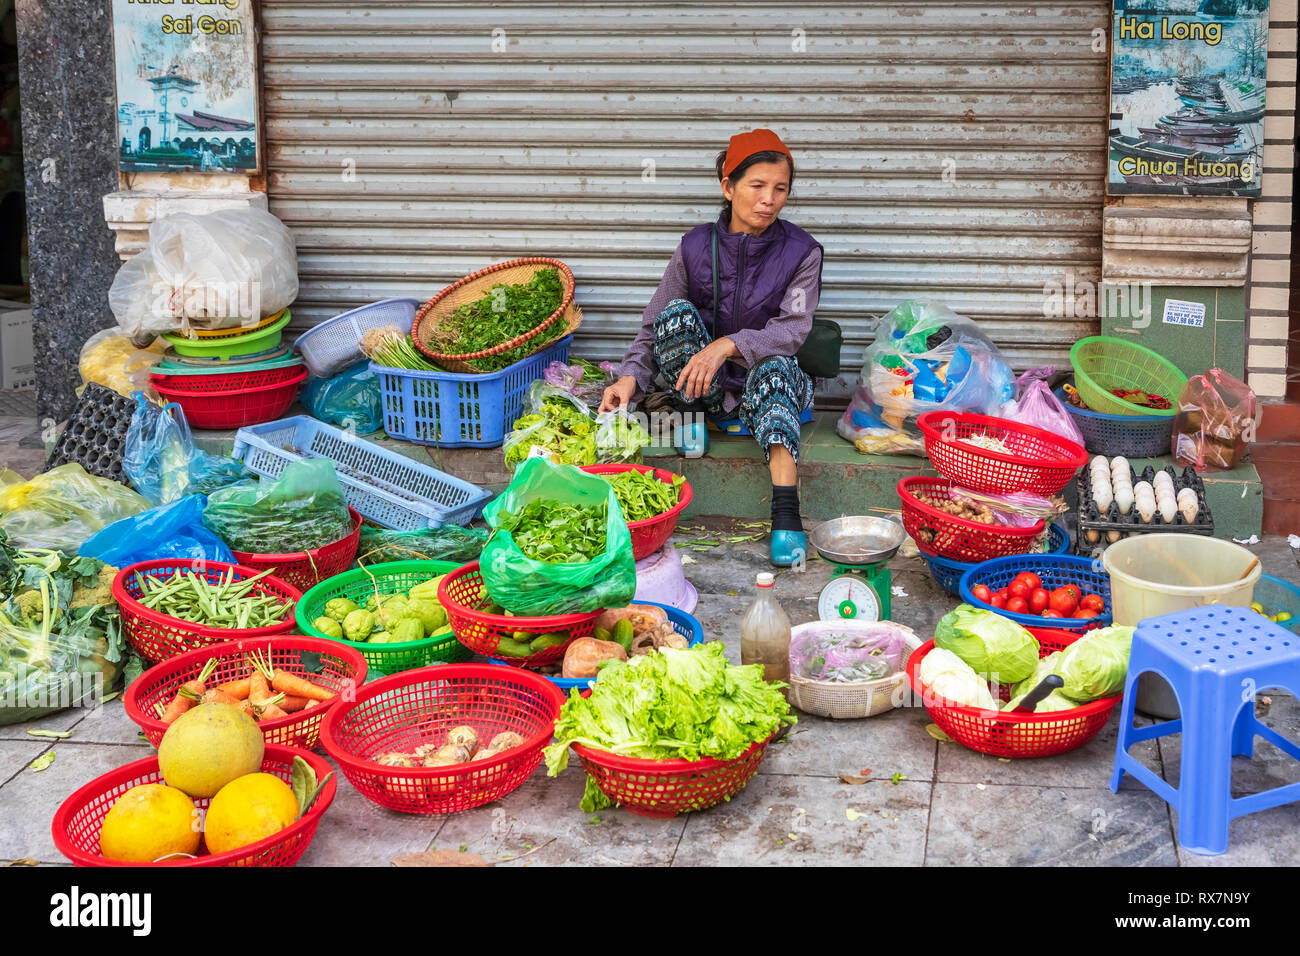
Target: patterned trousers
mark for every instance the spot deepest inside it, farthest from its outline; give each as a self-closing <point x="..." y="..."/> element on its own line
<point x="776" y="391"/>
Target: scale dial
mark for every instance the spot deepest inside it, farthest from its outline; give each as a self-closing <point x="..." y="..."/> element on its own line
<point x="848" y="597"/>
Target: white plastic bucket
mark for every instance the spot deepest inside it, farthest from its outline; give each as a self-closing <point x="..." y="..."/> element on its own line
<point x="1154" y="574"/>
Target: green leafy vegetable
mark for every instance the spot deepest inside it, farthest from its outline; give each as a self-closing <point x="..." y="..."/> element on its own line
<point x="556" y="533"/>
<point x="641" y="495"/>
<point x="995" y="647"/>
<point x="504" y="313"/>
<point x="560" y="427"/>
<point x="1096" y="664"/>
<point x="673" y="704"/>
<point x="946" y="674"/>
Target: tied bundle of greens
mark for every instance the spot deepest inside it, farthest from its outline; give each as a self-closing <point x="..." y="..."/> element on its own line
<point x="556" y="533"/>
<point x="504" y="313"/>
<point x="670" y="705"/>
<point x="391" y="347"/>
<point x="60" y="633"/>
<point x="641" y="495"/>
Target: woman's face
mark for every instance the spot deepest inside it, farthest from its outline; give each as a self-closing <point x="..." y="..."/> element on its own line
<point x="757" y="196"/>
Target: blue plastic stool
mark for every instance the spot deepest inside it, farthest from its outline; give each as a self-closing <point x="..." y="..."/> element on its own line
<point x="1216" y="659"/>
<point x="733" y="426"/>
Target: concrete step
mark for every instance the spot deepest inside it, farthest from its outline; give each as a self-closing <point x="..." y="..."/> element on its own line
<point x="834" y="479"/>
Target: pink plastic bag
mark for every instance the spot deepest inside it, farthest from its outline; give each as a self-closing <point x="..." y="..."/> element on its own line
<point x="1041" y="409"/>
<point x="1216" y="421"/>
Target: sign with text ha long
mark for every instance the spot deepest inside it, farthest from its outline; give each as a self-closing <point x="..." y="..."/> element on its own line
<point x="1187" y="87"/>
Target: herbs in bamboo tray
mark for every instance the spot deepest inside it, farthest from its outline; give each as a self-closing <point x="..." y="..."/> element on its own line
<point x="188" y="597"/>
<point x="556" y="533"/>
<point x="504" y="313"/>
<point x="641" y="495"/>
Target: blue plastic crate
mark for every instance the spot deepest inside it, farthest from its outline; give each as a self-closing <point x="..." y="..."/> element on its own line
<point x="947" y="573"/>
<point x="1055" y="570"/>
<point x="1133" y="436"/>
<point x="386" y="487"/>
<point x="684" y="624"/>
<point x="456" y="410"/>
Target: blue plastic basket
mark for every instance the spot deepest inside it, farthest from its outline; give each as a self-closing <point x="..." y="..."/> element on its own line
<point x="333" y="345"/>
<point x="947" y="573"/>
<point x="386" y="487"/>
<point x="1055" y="570"/>
<point x="457" y="410"/>
<point x="1278" y="595"/>
<point x="684" y="624"/>
<point x="1133" y="436"/>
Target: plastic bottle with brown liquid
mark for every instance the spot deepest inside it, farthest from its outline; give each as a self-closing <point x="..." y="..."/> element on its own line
<point x="765" y="633"/>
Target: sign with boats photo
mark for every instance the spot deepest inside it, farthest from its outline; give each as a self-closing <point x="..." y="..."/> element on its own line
<point x="1187" y="97"/>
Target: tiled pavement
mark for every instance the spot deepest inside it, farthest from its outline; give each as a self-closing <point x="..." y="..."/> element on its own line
<point x="949" y="806"/>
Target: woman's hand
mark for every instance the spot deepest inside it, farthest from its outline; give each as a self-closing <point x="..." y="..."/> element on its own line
<point x="699" y="372"/>
<point x="618" y="395"/>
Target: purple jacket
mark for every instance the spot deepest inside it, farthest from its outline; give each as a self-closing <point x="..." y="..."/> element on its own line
<point x="780" y="285"/>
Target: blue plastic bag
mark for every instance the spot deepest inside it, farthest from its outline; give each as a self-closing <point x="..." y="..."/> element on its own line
<point x="170" y="531"/>
<point x="160" y="459"/>
<point x="351" y="399"/>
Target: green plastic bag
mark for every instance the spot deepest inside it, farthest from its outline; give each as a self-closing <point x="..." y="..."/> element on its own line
<point x="302" y="510"/>
<point x="533" y="588"/>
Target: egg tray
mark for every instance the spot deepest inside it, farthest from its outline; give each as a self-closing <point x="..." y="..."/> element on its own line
<point x="1091" y="519"/>
<point x="95" y="436"/>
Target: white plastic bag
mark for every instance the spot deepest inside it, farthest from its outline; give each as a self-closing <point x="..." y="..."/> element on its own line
<point x="214" y="271"/>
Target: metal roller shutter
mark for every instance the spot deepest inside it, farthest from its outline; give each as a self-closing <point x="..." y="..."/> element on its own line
<point x="945" y="150"/>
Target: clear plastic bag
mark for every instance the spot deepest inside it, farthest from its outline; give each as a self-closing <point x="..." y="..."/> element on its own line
<point x="160" y="459"/>
<point x="925" y="357"/>
<point x="109" y="358"/>
<point x="844" y="655"/>
<point x="302" y="510"/>
<point x="62" y="507"/>
<point x="528" y="587"/>
<point x="170" y="531"/>
<point x="218" y="270"/>
<point x="1039" y="408"/>
<point x="42" y="675"/>
<point x="352" y="399"/>
<point x="1216" y="421"/>
<point x="446" y="543"/>
<point x="584" y="380"/>
<point x="555" y="424"/>
<point x="619" y="439"/>
<point x="1019" y="510"/>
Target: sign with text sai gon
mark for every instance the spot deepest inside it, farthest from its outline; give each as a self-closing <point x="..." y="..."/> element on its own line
<point x="1187" y="81"/>
<point x="187" y="96"/>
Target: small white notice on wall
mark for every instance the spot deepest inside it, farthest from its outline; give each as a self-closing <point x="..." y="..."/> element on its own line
<point x="1179" y="312"/>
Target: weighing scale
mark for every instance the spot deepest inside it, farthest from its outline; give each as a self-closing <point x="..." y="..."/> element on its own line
<point x="860" y="548"/>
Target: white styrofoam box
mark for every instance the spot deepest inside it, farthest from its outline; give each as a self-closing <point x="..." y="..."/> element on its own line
<point x="17" y="355"/>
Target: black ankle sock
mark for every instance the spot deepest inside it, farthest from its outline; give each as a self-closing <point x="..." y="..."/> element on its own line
<point x="785" y="508"/>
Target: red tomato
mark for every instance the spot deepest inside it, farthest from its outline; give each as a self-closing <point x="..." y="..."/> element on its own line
<point x="1093" y="602"/>
<point x="1065" y="600"/>
<point x="1019" y="588"/>
<point x="1030" y="578"/>
<point x="1084" y="612"/>
<point x="999" y="600"/>
<point x="1017" y="605"/>
<point x="1038" y="600"/>
<point x="1002" y="593"/>
<point x="1050" y="613"/>
<point x="981" y="592"/>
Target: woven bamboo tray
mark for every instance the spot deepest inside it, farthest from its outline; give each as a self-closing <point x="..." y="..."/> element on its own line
<point x="476" y="285"/>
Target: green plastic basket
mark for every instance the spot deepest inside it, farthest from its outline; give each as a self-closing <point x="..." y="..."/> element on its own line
<point x="1103" y="362"/>
<point x="391" y="577"/>
<point x="234" y="344"/>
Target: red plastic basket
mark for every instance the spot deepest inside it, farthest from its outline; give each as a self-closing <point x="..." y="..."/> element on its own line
<point x="1040" y="462"/>
<point x="665" y="788"/>
<point x="1004" y="734"/>
<point x="650" y="535"/>
<point x="234" y="400"/>
<point x="156" y="637"/>
<point x="949" y="536"/>
<point x="407" y="710"/>
<point x="78" y="821"/>
<point x="334" y="667"/>
<point x="306" y="569"/>
<point x="1053" y="639"/>
<point x="459" y="592"/>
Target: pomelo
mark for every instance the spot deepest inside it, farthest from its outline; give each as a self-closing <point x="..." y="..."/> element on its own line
<point x="207" y="747"/>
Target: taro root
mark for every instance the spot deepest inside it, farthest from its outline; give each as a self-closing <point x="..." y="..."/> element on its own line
<point x="506" y="740"/>
<point x="464" y="735"/>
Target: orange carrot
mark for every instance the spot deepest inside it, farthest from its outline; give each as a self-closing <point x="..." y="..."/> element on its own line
<point x="215" y="695"/>
<point x="236" y="688"/>
<point x="311" y="704"/>
<point x="292" y="704"/>
<point x="299" y="687"/>
<point x="246" y="707"/>
<point x="189" y="693"/>
<point x="271" y="711"/>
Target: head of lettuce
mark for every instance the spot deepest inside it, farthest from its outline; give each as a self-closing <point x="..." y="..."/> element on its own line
<point x="995" y="647"/>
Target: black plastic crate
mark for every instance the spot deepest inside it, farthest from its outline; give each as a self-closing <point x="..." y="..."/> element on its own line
<point x="1114" y="523"/>
<point x="95" y="436"/>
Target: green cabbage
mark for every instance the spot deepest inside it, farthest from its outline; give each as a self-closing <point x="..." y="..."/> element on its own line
<point x="1096" y="664"/>
<point x="946" y="674"/>
<point x="1045" y="667"/>
<point x="992" y="645"/>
